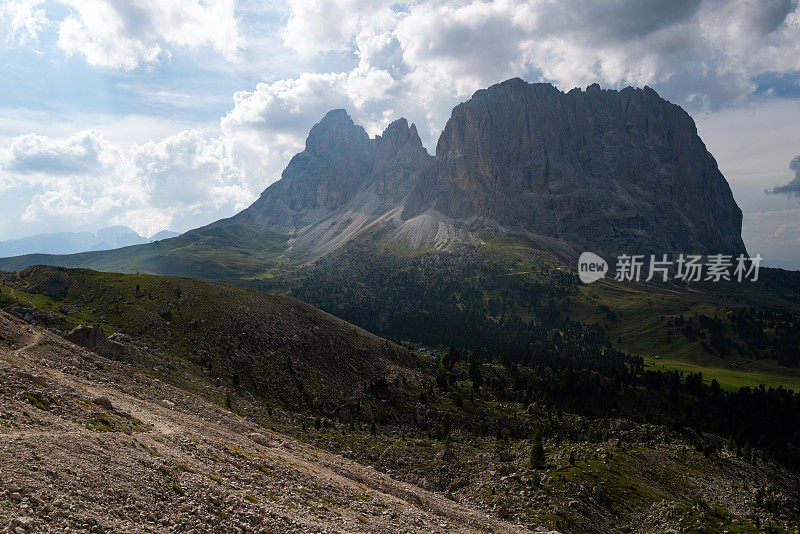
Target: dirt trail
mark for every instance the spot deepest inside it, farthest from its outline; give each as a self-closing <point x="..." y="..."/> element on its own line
<point x="36" y="338"/>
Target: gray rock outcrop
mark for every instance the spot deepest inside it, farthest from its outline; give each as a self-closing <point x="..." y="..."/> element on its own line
<point x="53" y="284"/>
<point x="341" y="168"/>
<point x="94" y="339"/>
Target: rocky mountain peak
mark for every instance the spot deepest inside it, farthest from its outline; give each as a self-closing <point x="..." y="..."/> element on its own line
<point x="341" y="168"/>
<point x="398" y="134"/>
<point x="336" y="131"/>
<point x="398" y="159"/>
<point x="603" y="170"/>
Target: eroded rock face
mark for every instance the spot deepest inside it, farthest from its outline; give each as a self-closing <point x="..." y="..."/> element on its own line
<point x="605" y="170"/>
<point x="339" y="163"/>
<point x="94" y="339"/>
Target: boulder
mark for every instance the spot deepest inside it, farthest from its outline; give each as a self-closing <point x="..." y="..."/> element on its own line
<point x="53" y="284"/>
<point x="103" y="402"/>
<point x="94" y="339"/>
<point x="88" y="337"/>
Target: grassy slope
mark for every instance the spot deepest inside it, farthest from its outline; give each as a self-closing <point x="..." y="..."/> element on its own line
<point x="259" y="341"/>
<point x="639" y="326"/>
<point x="226" y="253"/>
<point x="640" y="313"/>
<point x="244" y="256"/>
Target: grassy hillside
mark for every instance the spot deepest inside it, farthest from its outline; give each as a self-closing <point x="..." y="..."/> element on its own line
<point x="643" y="320"/>
<point x="226" y="253"/>
<point x="506" y="296"/>
<point x="274" y="346"/>
<point x="503" y="294"/>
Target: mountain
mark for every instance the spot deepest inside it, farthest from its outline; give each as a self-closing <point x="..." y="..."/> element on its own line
<point x="603" y="170"/>
<point x="163" y="234"/>
<point x="342" y="182"/>
<point x="75" y="242"/>
<point x="609" y="171"/>
<point x="118" y="236"/>
<point x="56" y="243"/>
<point x="339" y="167"/>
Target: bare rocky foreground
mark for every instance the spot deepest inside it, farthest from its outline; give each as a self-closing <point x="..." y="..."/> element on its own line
<point x="89" y="444"/>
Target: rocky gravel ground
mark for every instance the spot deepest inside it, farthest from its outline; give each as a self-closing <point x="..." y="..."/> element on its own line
<point x="635" y="486"/>
<point x="90" y="445"/>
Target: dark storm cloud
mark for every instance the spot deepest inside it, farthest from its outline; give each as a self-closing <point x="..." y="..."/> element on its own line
<point x="793" y="187"/>
<point x="619" y="21"/>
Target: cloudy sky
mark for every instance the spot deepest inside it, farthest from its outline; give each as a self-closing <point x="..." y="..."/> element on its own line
<point x="168" y="114"/>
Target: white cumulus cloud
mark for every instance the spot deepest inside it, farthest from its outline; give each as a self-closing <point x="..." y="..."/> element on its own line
<point x="126" y="35"/>
<point x="24" y="19"/>
<point x="703" y="53"/>
<point x="188" y="171"/>
<point x="86" y="182"/>
<point x="319" y="26"/>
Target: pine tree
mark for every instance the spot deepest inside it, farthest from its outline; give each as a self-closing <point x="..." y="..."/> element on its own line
<point x="537" y="451"/>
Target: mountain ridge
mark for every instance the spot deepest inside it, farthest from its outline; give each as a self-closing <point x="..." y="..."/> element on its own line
<point x="76" y="242"/>
<point x="604" y="170"/>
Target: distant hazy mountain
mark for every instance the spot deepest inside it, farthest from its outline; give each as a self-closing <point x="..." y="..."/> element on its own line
<point x="163" y="234"/>
<point x="57" y="243"/>
<point x="73" y="242"/>
<point x="118" y="236"/>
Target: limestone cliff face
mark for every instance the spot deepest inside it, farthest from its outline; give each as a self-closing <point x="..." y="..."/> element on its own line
<point x="601" y="170"/>
<point x="398" y="159"/>
<point x="611" y="171"/>
<point x="340" y="165"/>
